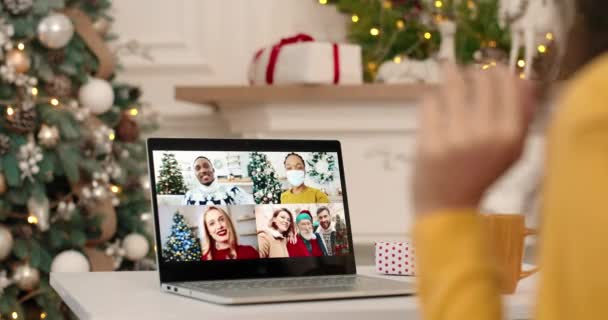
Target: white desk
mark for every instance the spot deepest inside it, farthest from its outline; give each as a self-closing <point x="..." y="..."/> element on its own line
<point x="136" y="295"/>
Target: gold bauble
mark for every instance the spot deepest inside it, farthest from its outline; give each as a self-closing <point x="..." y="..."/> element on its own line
<point x="26" y="277"/>
<point x="19" y="60"/>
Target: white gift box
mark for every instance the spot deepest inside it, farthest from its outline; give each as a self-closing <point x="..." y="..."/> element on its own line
<point x="307" y="62"/>
<point x="395" y="258"/>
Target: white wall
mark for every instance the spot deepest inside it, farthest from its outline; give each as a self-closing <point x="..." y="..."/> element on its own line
<point x="198" y="42"/>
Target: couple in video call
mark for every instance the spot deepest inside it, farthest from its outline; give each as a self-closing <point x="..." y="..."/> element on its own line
<point x="282" y="239"/>
<point x="211" y="192"/>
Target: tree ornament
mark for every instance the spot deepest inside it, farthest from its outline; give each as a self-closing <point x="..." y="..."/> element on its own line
<point x="116" y="252"/>
<point x="28" y="156"/>
<point x="55" y="30"/>
<point x="17" y="6"/>
<point x="6" y="33"/>
<point x="39" y="208"/>
<point x="109" y="222"/>
<point x="99" y="260"/>
<point x="22" y="121"/>
<point x="26" y="277"/>
<point x="48" y="136"/>
<point x="70" y="261"/>
<point x="4" y="282"/>
<point x="5" y="144"/>
<point x="6" y="242"/>
<point x="18" y="60"/>
<point x="65" y="210"/>
<point x="102" y="25"/>
<point x="136" y="246"/>
<point x="97" y="95"/>
<point x="127" y="129"/>
<point x="59" y="86"/>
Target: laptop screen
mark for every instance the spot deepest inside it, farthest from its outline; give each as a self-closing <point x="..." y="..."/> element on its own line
<point x="249" y="205"/>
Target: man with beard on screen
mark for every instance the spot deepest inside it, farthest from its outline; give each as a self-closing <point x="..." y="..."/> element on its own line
<point x="309" y="243"/>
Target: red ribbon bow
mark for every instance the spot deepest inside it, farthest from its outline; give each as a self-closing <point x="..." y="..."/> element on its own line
<point x="276" y="49"/>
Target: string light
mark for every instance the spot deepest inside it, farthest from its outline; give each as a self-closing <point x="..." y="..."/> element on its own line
<point x="43" y="315"/>
<point x="521" y="63"/>
<point x="485" y="67"/>
<point x="323" y="2"/>
<point x="522" y="75"/>
<point x="115" y="189"/>
<point x="10" y="111"/>
<point x="427" y="35"/>
<point x="134" y="111"/>
<point x="492" y="44"/>
<point x="54" y="102"/>
<point x="371" y="66"/>
<point x="400" y="24"/>
<point x="387" y="4"/>
<point x="397" y="59"/>
<point x="355" y="18"/>
<point x="438" y="4"/>
<point x="34" y="91"/>
<point x="21" y="46"/>
<point x="374" y="31"/>
<point x="549" y="36"/>
<point x="112" y="136"/>
<point x="471" y="4"/>
<point x="542" y="49"/>
<point x="32" y="220"/>
<point x="14" y="315"/>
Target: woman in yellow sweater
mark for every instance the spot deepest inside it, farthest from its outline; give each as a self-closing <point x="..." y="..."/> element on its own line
<point x="471" y="132"/>
<point x="299" y="192"/>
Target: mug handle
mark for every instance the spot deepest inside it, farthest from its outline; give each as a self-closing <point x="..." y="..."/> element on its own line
<point x="526" y="273"/>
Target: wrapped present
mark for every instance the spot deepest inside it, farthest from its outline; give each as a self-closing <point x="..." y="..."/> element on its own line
<point x="395" y="258"/>
<point x="300" y="59"/>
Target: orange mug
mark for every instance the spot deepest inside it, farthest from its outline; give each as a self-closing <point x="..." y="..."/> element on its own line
<point x="506" y="233"/>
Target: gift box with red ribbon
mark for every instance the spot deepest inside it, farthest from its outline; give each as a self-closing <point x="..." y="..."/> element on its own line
<point x="300" y="59"/>
<point x="395" y="258"/>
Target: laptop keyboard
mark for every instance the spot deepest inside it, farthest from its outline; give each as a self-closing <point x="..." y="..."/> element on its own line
<point x="288" y="283"/>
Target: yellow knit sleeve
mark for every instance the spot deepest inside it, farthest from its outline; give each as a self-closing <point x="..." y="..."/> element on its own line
<point x="456" y="278"/>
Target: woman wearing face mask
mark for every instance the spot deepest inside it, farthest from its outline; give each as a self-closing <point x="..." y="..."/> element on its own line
<point x="221" y="241"/>
<point x="273" y="241"/>
<point x="299" y="192"/>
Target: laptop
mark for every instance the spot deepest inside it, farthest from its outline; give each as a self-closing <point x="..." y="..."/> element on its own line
<point x="241" y="221"/>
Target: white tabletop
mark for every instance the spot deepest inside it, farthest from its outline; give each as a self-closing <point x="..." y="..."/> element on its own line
<point x="137" y="295"/>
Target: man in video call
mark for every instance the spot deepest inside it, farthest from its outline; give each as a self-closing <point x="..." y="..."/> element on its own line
<point x="211" y="192"/>
<point x="327" y="230"/>
<point x="309" y="243"/>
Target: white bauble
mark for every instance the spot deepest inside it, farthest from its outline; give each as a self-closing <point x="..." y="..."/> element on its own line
<point x="6" y="242"/>
<point x="96" y="95"/>
<point x="70" y="261"/>
<point x="55" y="30"/>
<point x="136" y="247"/>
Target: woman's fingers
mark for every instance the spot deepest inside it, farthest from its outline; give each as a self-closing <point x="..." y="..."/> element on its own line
<point x="454" y="95"/>
<point x="430" y="136"/>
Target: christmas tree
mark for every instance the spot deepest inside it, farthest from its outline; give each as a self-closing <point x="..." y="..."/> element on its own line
<point x="73" y="183"/>
<point x="266" y="185"/>
<point x="170" y="179"/>
<point x="182" y="244"/>
<point x="400" y="29"/>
